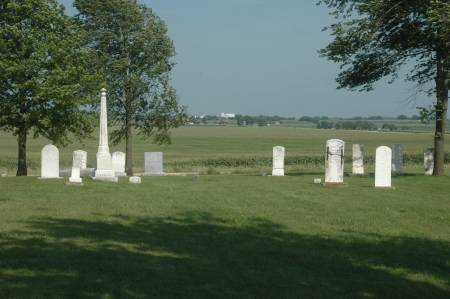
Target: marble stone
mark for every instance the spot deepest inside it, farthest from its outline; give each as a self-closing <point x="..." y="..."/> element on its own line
<point x="80" y="159"/>
<point x="118" y="163"/>
<point x="135" y="180"/>
<point x="154" y="164"/>
<point x="397" y="159"/>
<point x="104" y="171"/>
<point x="383" y="167"/>
<point x="278" y="161"/>
<point x="358" y="159"/>
<point x="428" y="161"/>
<point x="334" y="162"/>
<point x="50" y="162"/>
<point x="317" y="181"/>
<point x="75" y="177"/>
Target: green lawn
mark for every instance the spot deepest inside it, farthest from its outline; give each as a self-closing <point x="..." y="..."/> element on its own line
<point x="225" y="236"/>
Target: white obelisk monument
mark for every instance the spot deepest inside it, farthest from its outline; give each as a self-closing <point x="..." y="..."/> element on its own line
<point x="104" y="171"/>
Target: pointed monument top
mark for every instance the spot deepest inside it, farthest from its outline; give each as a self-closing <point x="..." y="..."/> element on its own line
<point x="103" y="90"/>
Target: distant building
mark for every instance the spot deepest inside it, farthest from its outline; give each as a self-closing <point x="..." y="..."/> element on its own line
<point x="228" y="115"/>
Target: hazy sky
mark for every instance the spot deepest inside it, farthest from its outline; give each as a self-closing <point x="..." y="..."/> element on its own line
<point x="260" y="57"/>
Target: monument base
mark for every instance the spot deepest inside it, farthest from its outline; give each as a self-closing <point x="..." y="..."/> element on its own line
<point x="75" y="180"/>
<point x="105" y="176"/>
<point x="278" y="172"/>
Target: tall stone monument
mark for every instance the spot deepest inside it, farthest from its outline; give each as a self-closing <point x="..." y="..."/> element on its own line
<point x="278" y="161"/>
<point x="383" y="167"/>
<point x="334" y="162"/>
<point x="358" y="159"/>
<point x="428" y="161"/>
<point x="397" y="159"/>
<point x="104" y="171"/>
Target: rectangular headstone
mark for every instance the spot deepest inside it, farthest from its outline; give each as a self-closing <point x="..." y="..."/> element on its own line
<point x="397" y="159"/>
<point x="334" y="162"/>
<point x="428" y="161"/>
<point x="278" y="161"/>
<point x="383" y="167"/>
<point x="118" y="163"/>
<point x="135" y="180"/>
<point x="75" y="177"/>
<point x="358" y="159"/>
<point x="154" y="164"/>
<point x="80" y="159"/>
<point x="50" y="162"/>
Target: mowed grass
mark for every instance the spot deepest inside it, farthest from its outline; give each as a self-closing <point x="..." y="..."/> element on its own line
<point x="200" y="143"/>
<point x="225" y="236"/>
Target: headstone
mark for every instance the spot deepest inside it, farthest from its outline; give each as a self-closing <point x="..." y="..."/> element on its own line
<point x="397" y="159"/>
<point x="383" y="167"/>
<point x="317" y="181"/>
<point x="104" y="171"/>
<point x="334" y="162"/>
<point x="135" y="180"/>
<point x="428" y="161"/>
<point x="278" y="161"/>
<point x="154" y="164"/>
<point x="50" y="162"/>
<point x="118" y="163"/>
<point x="358" y="159"/>
<point x="75" y="177"/>
<point x="80" y="159"/>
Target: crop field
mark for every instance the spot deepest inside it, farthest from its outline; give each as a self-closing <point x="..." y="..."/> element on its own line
<point x="233" y="149"/>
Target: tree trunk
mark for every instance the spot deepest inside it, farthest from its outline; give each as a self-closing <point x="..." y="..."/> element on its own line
<point x="441" y="112"/>
<point x="22" y="169"/>
<point x="129" y="143"/>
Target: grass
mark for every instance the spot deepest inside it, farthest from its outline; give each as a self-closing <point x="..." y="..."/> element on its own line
<point x="192" y="144"/>
<point x="236" y="236"/>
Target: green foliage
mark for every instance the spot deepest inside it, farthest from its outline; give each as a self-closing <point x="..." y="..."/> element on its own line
<point x="45" y="78"/>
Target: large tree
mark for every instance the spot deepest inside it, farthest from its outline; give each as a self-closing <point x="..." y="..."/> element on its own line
<point x="44" y="77"/>
<point x="135" y="54"/>
<point x="375" y="38"/>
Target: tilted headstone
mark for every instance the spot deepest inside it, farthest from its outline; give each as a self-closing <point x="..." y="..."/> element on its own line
<point x="428" y="161"/>
<point x="278" y="161"/>
<point x="75" y="177"/>
<point x="80" y="159"/>
<point x="383" y="167"/>
<point x="135" y="180"/>
<point x="397" y="159"/>
<point x="50" y="162"/>
<point x="334" y="162"/>
<point x="118" y="163"/>
<point x="154" y="164"/>
<point x="358" y="159"/>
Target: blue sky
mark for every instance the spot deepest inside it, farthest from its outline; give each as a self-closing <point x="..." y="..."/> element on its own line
<point x="260" y="57"/>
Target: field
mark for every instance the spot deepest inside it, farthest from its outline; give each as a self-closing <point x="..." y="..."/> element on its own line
<point x="231" y="149"/>
<point x="225" y="236"/>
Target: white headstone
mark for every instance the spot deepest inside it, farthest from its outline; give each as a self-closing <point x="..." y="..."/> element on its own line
<point x="50" y="162"/>
<point x="278" y="161"/>
<point x="104" y="171"/>
<point x="428" y="161"/>
<point x="334" y="162"/>
<point x="358" y="159"/>
<point x="154" y="164"/>
<point x="397" y="159"/>
<point x="118" y="163"/>
<point x="75" y="177"/>
<point x="135" y="180"/>
<point x="383" y="167"/>
<point x="80" y="159"/>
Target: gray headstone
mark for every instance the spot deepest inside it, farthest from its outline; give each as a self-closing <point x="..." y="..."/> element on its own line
<point x="118" y="163"/>
<point x="50" y="162"/>
<point x="358" y="159"/>
<point x="135" y="180"/>
<point x="383" y="167"/>
<point x="278" y="161"/>
<point x="334" y="161"/>
<point x="397" y="159"/>
<point x="154" y="164"/>
<point x="80" y="159"/>
<point x="428" y="161"/>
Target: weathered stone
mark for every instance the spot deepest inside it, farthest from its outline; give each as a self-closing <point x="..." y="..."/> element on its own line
<point x="50" y="162"/>
<point x="118" y="163"/>
<point x="358" y="159"/>
<point x="278" y="161"/>
<point x="80" y="159"/>
<point x="397" y="159"/>
<point x="428" y="161"/>
<point x="75" y="177"/>
<point x="383" y="167"/>
<point x="154" y="164"/>
<point x="135" y="180"/>
<point x="317" y="181"/>
<point x="334" y="162"/>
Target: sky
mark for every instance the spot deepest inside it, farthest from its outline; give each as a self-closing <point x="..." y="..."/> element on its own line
<point x="261" y="57"/>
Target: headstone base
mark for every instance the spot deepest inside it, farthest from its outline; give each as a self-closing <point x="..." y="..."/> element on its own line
<point x="106" y="179"/>
<point x="278" y="172"/>
<point x="135" y="180"/>
<point x="75" y="180"/>
<point x="154" y="174"/>
<point x="120" y="174"/>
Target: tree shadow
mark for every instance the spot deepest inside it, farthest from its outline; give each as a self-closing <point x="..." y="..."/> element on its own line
<point x="196" y="255"/>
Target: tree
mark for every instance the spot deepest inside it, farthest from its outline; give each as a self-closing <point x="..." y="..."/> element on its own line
<point x="45" y="80"/>
<point x="135" y="54"/>
<point x="375" y="38"/>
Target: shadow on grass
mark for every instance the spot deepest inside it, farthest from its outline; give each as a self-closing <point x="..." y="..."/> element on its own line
<point x="199" y="256"/>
